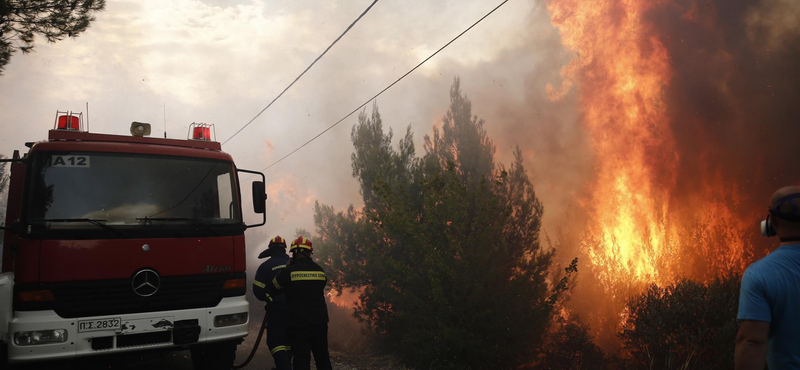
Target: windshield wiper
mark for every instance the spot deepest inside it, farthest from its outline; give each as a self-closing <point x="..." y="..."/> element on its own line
<point x="185" y="219"/>
<point x="192" y="221"/>
<point x="96" y="222"/>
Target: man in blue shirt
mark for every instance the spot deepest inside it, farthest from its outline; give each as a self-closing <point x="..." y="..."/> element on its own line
<point x="769" y="300"/>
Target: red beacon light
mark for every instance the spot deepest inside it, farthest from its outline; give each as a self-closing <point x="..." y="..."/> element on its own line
<point x="69" y="123"/>
<point x="202" y="131"/>
<point x="68" y="120"/>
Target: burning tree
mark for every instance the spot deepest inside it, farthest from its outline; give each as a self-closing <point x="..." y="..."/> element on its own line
<point x="678" y="168"/>
<point x="446" y="248"/>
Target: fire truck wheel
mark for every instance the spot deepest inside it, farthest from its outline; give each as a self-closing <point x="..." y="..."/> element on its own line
<point x="215" y="356"/>
<point x="3" y="356"/>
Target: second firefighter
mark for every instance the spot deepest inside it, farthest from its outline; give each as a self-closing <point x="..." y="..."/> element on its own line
<point x="304" y="282"/>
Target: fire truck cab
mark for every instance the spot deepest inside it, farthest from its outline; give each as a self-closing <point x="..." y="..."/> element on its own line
<point x="118" y="244"/>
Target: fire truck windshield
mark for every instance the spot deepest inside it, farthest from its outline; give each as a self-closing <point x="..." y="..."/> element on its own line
<point x="111" y="195"/>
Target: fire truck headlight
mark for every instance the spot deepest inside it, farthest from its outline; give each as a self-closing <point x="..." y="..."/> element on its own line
<point x="230" y="320"/>
<point x="31" y="338"/>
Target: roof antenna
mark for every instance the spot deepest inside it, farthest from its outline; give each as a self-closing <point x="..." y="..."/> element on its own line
<point x="165" y="120"/>
<point x="87" y="116"/>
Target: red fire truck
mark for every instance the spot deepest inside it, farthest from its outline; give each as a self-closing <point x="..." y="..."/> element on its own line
<point x="118" y="243"/>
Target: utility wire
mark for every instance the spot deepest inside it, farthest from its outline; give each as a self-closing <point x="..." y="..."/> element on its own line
<point x="387" y="88"/>
<point x="304" y="72"/>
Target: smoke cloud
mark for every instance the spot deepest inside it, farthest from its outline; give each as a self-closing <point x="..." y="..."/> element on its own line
<point x="730" y="98"/>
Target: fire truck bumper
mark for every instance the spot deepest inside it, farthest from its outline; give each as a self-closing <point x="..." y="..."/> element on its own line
<point x="60" y="338"/>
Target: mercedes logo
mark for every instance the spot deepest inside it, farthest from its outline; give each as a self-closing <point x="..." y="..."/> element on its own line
<point x="145" y="282"/>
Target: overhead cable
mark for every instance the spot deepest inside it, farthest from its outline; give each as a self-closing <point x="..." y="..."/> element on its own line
<point x="304" y="72"/>
<point x="382" y="91"/>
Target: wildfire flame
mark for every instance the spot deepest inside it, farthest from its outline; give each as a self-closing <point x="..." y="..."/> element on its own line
<point x="638" y="232"/>
<point x="347" y="298"/>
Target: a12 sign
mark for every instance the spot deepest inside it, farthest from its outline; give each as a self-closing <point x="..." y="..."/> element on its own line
<point x="69" y="161"/>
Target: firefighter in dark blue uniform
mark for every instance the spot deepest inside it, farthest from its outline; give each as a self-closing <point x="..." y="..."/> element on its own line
<point x="277" y="311"/>
<point x="303" y="282"/>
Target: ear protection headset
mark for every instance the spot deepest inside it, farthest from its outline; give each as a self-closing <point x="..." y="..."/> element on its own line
<point x="781" y="210"/>
<point x="767" y="229"/>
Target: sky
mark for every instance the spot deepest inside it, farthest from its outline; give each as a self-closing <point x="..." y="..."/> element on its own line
<point x="171" y="63"/>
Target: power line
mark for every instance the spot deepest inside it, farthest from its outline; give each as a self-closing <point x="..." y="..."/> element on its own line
<point x="304" y="72"/>
<point x="384" y="90"/>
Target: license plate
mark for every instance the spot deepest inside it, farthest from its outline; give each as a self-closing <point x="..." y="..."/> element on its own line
<point x="99" y="324"/>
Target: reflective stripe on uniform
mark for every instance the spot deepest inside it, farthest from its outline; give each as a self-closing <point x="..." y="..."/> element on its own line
<point x="307" y="275"/>
<point x="275" y="283"/>
<point x="278" y="267"/>
<point x="269" y="298"/>
<point x="278" y="349"/>
<point x="259" y="284"/>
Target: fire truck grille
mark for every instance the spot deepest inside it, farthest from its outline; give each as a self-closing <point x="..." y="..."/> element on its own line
<point x="111" y="297"/>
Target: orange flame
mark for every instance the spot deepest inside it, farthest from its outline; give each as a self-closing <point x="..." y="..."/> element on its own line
<point x="621" y="97"/>
<point x="638" y="233"/>
<point x="347" y="299"/>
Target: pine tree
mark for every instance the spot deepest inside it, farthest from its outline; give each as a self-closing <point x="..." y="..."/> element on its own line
<point x="446" y="249"/>
<point x="22" y="20"/>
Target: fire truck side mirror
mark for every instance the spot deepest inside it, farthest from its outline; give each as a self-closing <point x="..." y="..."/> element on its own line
<point x="14" y="228"/>
<point x="259" y="197"/>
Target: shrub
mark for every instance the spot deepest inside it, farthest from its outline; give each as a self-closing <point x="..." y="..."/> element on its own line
<point x="685" y="325"/>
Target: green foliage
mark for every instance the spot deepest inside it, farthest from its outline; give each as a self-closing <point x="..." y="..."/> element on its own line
<point x="685" y="325"/>
<point x="570" y="347"/>
<point x="300" y="231"/>
<point x="446" y="248"/>
<point x="22" y="20"/>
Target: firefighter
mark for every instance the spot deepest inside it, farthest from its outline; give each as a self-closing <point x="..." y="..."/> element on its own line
<point x="277" y="311"/>
<point x="304" y="281"/>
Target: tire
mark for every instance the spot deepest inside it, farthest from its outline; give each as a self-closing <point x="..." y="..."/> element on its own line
<point x="4" y="356"/>
<point x="214" y="356"/>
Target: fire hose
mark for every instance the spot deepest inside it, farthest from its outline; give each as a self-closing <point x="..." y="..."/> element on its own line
<point x="255" y="346"/>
